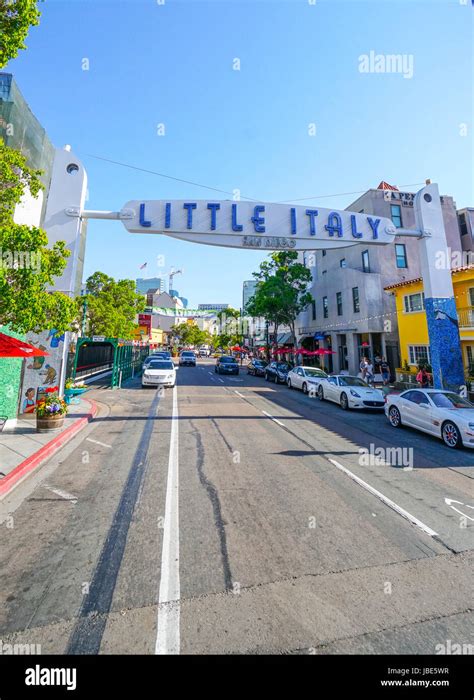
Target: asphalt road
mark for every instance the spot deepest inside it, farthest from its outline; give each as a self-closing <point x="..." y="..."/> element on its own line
<point x="230" y="515"/>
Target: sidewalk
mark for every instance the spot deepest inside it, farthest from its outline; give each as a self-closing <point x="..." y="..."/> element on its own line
<point x="23" y="449"/>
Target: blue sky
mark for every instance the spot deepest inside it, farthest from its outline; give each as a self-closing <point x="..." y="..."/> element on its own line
<point x="247" y="129"/>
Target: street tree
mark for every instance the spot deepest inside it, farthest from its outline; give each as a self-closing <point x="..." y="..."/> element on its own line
<point x="16" y="18"/>
<point x="230" y="330"/>
<point x="281" y="292"/>
<point x="189" y="334"/>
<point x="110" y="306"/>
<point x="28" y="268"/>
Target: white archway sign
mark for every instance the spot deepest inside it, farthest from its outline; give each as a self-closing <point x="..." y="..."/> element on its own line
<point x="266" y="226"/>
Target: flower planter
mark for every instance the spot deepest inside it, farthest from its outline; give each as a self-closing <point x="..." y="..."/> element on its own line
<point x="46" y="424"/>
<point x="70" y="393"/>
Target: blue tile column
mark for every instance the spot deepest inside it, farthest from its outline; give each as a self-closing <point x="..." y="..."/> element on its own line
<point x="445" y="344"/>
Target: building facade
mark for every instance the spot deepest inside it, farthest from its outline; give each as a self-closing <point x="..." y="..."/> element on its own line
<point x="144" y="284"/>
<point x="412" y="325"/>
<point x="351" y="314"/>
<point x="20" y="130"/>
<point x="248" y="291"/>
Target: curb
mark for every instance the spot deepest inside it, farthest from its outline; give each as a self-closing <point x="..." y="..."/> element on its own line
<point x="19" y="473"/>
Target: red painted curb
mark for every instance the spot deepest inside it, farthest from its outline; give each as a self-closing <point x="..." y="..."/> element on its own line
<point x="37" y="458"/>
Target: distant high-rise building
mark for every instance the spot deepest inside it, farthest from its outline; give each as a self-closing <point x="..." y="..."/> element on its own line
<point x="144" y="284"/>
<point x="248" y="291"/>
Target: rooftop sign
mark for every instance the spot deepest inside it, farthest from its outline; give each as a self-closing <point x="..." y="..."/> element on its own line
<point x="256" y="226"/>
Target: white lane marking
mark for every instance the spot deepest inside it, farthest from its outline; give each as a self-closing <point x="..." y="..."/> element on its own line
<point x="63" y="494"/>
<point x="97" y="442"/>
<point x="391" y="504"/>
<point x="450" y="501"/>
<point x="168" y="635"/>
<point x="220" y="380"/>
<point x="273" y="419"/>
<point x="239" y="394"/>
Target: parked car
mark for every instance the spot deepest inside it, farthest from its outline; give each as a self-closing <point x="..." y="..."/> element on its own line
<point x="350" y="392"/>
<point x="188" y="357"/>
<point x="226" y="365"/>
<point x="159" y="373"/>
<point x="157" y="355"/>
<point x="441" y="413"/>
<point x="305" y="378"/>
<point x="277" y="372"/>
<point x="256" y="367"/>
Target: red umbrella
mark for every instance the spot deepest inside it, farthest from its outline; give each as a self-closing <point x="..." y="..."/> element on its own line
<point x="324" y="351"/>
<point x="11" y="347"/>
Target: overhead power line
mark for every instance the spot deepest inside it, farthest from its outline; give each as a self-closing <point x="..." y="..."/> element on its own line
<point x="216" y="189"/>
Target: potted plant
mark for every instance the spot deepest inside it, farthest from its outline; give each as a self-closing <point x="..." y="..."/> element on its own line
<point x="50" y="412"/>
<point x="73" y="388"/>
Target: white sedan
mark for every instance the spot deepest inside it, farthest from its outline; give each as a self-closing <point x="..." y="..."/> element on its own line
<point x="159" y="373"/>
<point x="350" y="392"/>
<point x="441" y="413"/>
<point x="305" y="378"/>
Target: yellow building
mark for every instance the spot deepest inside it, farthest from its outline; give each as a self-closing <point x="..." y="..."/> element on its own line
<point x="142" y="333"/>
<point x="411" y="317"/>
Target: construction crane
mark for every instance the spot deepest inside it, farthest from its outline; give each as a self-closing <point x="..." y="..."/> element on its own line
<point x="171" y="277"/>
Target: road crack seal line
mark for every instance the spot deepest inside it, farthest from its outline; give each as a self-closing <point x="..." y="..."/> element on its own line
<point x="86" y="636"/>
<point x="216" y="507"/>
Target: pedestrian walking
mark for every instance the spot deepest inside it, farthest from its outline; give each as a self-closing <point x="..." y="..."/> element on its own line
<point x="385" y="371"/>
<point x="369" y="373"/>
<point x="423" y="378"/>
<point x="364" y="363"/>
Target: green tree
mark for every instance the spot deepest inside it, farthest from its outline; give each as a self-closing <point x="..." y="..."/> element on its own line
<point x="281" y="293"/>
<point x="190" y="334"/>
<point x="27" y="266"/>
<point x="230" y="329"/>
<point x="111" y="306"/>
<point x="16" y="18"/>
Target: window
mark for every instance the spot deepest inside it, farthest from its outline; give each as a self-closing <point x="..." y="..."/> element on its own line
<point x="339" y="303"/>
<point x="414" y="302"/>
<point x="401" y="255"/>
<point x="471" y="296"/>
<point x="462" y="224"/>
<point x="365" y="261"/>
<point x="396" y="214"/>
<point x="313" y="309"/>
<point x="324" y="253"/>
<point x="419" y="353"/>
<point x="342" y="262"/>
<point x="355" y="299"/>
<point x="417" y="397"/>
<point x="325" y="307"/>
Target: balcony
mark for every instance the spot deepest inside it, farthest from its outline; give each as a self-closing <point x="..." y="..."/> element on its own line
<point x="466" y="317"/>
